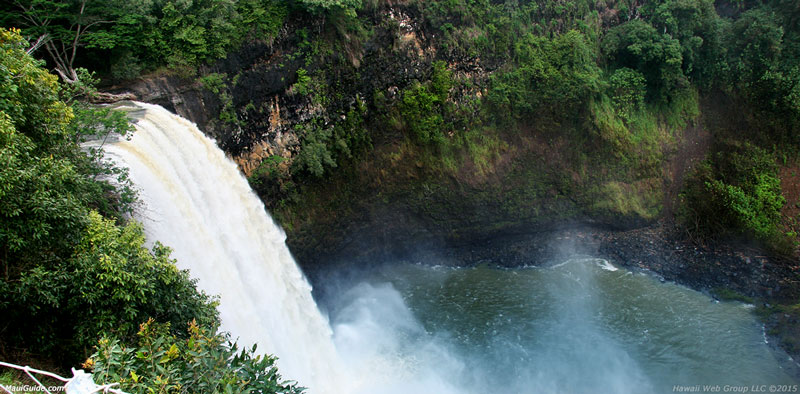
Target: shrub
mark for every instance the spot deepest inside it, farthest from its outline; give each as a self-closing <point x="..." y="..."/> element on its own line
<point x="737" y="190"/>
<point x="423" y="106"/>
<point x="628" y="89"/>
<point x="269" y="170"/>
<point x="755" y="208"/>
<point x="556" y="76"/>
<point x="327" y="146"/>
<point x="202" y="362"/>
<point x="421" y="110"/>
<point x="639" y="46"/>
<point x="111" y="284"/>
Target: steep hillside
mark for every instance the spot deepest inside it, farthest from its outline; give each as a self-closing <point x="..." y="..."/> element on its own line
<point x="447" y="124"/>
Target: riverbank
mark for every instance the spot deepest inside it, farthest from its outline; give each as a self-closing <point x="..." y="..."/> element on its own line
<point x="724" y="270"/>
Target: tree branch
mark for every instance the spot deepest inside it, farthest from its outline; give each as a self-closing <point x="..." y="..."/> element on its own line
<point x="78" y="33"/>
<point x="39" y="42"/>
<point x="61" y="42"/>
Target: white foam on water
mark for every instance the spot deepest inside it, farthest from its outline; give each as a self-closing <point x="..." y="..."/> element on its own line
<point x="604" y="264"/>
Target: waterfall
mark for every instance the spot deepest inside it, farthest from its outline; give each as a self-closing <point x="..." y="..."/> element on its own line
<point x="581" y="326"/>
<point x="195" y="200"/>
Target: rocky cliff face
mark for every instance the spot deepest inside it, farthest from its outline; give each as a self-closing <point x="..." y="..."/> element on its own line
<point x="269" y="101"/>
<point x="317" y="120"/>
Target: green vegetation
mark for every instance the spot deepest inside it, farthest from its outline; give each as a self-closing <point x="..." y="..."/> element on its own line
<point x="325" y="147"/>
<point x="214" y="82"/>
<point x="303" y="85"/>
<point x="611" y="86"/>
<point x="619" y="80"/>
<point x="637" y="45"/>
<point x="423" y="107"/>
<point x="268" y="170"/>
<point x="73" y="270"/>
<point x="217" y="83"/>
<point x="726" y="294"/>
<point x="201" y="361"/>
<point x="348" y="7"/>
<point x="782" y="321"/>
<point x="738" y="191"/>
<point x="553" y="77"/>
<point x="627" y="92"/>
<point x="141" y="36"/>
<point x="627" y="200"/>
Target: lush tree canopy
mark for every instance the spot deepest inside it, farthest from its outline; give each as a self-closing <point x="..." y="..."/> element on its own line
<point x="556" y="75"/>
<point x="140" y="35"/>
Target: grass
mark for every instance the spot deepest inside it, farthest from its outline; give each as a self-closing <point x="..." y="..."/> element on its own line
<point x="9" y="378"/>
<point x="639" y="199"/>
<point x="684" y="106"/>
<point x="609" y="126"/>
<point x="13" y="379"/>
<point x="484" y="148"/>
<point x="636" y="143"/>
<point x="783" y="322"/>
<point x="726" y="294"/>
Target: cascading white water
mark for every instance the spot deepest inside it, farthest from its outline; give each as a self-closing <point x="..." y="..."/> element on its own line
<point x="196" y="201"/>
<point x="580" y="326"/>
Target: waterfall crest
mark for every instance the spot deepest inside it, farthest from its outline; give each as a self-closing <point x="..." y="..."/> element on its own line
<point x="195" y="200"/>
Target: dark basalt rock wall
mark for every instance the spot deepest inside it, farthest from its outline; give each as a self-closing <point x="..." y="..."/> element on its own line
<point x="532" y="210"/>
<point x="178" y="95"/>
<point x="508" y="220"/>
<point x="415" y="213"/>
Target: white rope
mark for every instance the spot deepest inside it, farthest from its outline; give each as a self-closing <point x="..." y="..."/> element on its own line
<point x="80" y="382"/>
<point x="27" y="371"/>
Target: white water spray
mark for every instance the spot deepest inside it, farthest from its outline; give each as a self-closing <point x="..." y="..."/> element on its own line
<point x="196" y="201"/>
<point x="575" y="327"/>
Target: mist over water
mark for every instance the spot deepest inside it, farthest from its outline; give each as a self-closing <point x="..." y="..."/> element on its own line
<point x="572" y="326"/>
<point x="379" y="337"/>
<point x="576" y="326"/>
